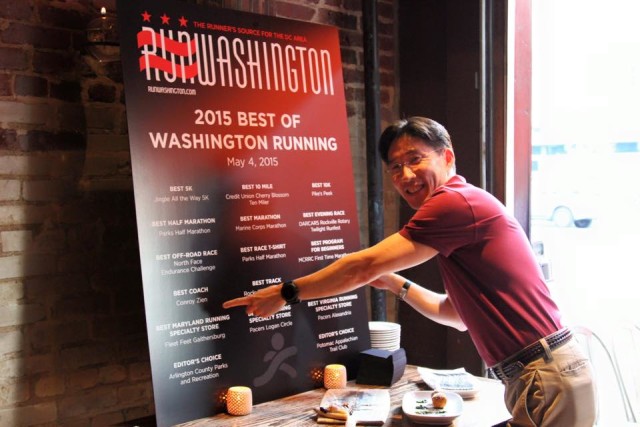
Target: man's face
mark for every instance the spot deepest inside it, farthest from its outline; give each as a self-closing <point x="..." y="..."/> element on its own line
<point x="417" y="169"/>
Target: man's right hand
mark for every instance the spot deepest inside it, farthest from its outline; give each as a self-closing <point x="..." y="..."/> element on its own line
<point x="263" y="303"/>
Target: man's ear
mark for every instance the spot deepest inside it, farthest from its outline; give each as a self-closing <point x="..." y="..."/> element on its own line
<point x="449" y="156"/>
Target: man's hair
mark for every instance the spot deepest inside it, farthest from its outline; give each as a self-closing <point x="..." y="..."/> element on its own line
<point x="430" y="131"/>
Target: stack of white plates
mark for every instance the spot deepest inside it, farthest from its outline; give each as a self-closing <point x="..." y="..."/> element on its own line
<point x="385" y="335"/>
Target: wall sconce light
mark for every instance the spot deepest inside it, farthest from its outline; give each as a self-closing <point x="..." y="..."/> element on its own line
<point x="102" y="37"/>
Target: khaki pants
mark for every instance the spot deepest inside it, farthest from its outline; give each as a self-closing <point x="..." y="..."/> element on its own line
<point x="556" y="391"/>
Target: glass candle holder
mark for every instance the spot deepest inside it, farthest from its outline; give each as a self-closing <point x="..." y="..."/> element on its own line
<point x="335" y="376"/>
<point x="239" y="400"/>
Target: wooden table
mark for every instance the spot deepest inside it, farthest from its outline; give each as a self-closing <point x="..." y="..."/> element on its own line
<point x="486" y="409"/>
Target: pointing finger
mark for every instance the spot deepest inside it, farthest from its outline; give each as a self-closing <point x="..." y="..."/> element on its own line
<point x="237" y="302"/>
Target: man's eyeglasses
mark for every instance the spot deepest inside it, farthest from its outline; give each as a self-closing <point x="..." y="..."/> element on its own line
<point x="396" y="169"/>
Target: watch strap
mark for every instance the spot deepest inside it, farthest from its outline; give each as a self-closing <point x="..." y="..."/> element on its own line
<point x="403" y="291"/>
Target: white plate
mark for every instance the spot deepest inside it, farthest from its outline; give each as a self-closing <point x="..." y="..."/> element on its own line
<point x="385" y="345"/>
<point x="391" y="348"/>
<point x="438" y="379"/>
<point x="385" y="339"/>
<point x="453" y="409"/>
<point x="383" y="326"/>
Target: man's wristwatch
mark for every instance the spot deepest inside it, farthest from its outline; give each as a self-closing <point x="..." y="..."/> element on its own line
<point x="289" y="292"/>
<point x="403" y="291"/>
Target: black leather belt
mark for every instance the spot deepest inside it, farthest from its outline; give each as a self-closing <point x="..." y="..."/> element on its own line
<point x="515" y="363"/>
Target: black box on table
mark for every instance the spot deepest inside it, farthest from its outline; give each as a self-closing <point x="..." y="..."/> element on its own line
<point x="381" y="367"/>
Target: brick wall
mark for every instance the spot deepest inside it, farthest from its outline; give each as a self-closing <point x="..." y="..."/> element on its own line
<point x="73" y="349"/>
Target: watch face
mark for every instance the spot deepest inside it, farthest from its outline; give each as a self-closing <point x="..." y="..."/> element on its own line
<point x="289" y="291"/>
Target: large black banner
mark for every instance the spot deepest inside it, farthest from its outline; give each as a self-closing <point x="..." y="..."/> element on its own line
<point x="242" y="179"/>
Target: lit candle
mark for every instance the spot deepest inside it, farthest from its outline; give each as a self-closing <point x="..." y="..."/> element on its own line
<point x="335" y="376"/>
<point x="239" y="400"/>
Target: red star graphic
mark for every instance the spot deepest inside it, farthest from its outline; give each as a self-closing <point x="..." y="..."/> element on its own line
<point x="183" y="21"/>
<point x="146" y="17"/>
<point x="165" y="19"/>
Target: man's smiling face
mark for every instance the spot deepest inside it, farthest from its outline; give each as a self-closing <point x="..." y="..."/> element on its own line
<point x="417" y="169"/>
